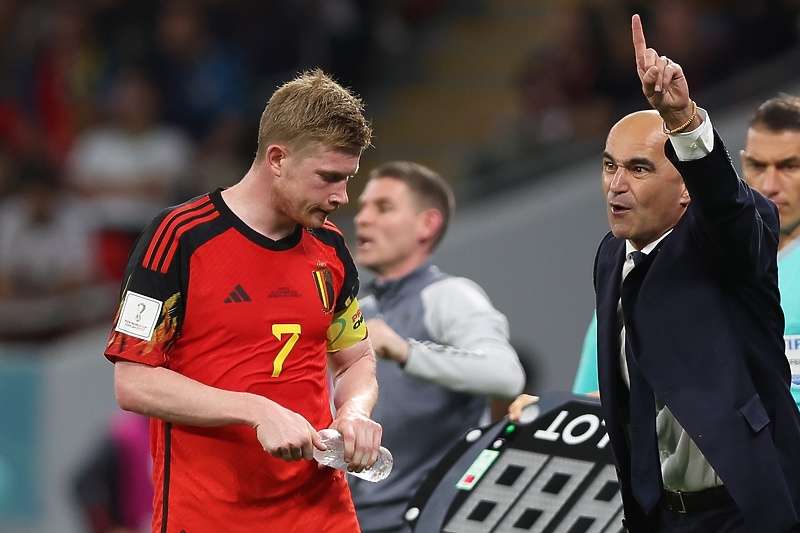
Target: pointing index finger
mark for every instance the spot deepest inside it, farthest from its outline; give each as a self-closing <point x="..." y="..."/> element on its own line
<point x="639" y="43"/>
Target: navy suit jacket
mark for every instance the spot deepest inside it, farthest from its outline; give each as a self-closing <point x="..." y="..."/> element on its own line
<point x="703" y="319"/>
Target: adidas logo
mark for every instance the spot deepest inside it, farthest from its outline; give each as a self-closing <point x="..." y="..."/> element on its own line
<point x="237" y="295"/>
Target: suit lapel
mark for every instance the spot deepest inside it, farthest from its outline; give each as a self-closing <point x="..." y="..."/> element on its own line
<point x="609" y="273"/>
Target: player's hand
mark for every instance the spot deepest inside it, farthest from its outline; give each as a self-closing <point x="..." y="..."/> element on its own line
<point x="663" y="82"/>
<point x="520" y="402"/>
<point x="362" y="438"/>
<point x="286" y="435"/>
<point x="386" y="342"/>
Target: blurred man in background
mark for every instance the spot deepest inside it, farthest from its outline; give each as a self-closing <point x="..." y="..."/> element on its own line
<point x="442" y="347"/>
<point x="128" y="168"/>
<point x="50" y="282"/>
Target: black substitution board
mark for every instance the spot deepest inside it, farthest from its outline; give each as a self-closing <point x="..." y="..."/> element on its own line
<point x="550" y="472"/>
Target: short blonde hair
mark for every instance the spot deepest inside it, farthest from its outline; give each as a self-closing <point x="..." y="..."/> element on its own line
<point x="314" y="109"/>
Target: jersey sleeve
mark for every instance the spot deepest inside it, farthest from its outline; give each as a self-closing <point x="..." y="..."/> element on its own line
<point x="150" y="310"/>
<point x="348" y="291"/>
<point x="348" y="326"/>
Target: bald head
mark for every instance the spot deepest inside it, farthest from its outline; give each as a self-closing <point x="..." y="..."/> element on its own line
<point x="645" y="194"/>
<point x="642" y="124"/>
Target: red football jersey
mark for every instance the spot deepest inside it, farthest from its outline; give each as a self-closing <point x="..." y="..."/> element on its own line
<point x="208" y="297"/>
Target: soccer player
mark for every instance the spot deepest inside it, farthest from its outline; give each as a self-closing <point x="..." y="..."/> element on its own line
<point x="234" y="306"/>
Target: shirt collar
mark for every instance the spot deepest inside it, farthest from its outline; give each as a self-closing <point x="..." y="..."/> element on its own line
<point x="629" y="247"/>
<point x="380" y="287"/>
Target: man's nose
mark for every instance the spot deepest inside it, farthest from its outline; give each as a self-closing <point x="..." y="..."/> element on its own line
<point x="361" y="217"/>
<point x="769" y="181"/>
<point x="339" y="196"/>
<point x="619" y="182"/>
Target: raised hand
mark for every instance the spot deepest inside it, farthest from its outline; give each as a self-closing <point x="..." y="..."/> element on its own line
<point x="663" y="82"/>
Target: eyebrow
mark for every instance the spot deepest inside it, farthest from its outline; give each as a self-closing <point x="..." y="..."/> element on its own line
<point x="378" y="201"/>
<point x="791" y="159"/>
<point x="748" y="156"/>
<point x="633" y="162"/>
<point x="335" y="175"/>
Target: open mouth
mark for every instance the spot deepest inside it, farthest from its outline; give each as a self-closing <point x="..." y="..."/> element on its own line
<point x="363" y="243"/>
<point x="618" y="209"/>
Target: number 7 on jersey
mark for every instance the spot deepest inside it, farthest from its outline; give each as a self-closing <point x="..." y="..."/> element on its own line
<point x="279" y="330"/>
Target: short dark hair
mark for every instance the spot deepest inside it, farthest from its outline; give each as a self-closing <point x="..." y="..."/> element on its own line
<point x="430" y="190"/>
<point x="778" y="114"/>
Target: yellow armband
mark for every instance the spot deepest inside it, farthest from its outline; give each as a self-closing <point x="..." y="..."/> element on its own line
<point x="347" y="328"/>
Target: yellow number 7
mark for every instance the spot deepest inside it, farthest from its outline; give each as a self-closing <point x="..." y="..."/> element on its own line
<point x="279" y="330"/>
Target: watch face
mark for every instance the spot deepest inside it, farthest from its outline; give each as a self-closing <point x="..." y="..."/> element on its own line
<point x="552" y="471"/>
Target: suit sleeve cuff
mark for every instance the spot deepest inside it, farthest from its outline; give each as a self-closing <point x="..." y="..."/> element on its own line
<point x="697" y="143"/>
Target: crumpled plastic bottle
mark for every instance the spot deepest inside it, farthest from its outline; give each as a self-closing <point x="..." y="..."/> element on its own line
<point x="334" y="457"/>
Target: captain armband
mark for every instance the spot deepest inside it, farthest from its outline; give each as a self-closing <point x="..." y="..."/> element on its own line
<point x="347" y="328"/>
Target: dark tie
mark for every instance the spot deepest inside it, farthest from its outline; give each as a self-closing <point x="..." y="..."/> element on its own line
<point x="646" y="480"/>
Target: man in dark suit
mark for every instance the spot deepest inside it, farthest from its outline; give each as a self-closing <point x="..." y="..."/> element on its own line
<point x="694" y="382"/>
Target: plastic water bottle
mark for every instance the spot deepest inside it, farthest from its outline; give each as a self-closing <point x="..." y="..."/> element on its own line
<point x="333" y="457"/>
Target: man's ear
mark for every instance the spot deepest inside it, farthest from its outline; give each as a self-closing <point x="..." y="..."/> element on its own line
<point x="685" y="198"/>
<point x="431" y="223"/>
<point x="276" y="154"/>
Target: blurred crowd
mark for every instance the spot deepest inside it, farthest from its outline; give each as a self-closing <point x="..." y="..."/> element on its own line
<point x="578" y="82"/>
<point x="113" y="109"/>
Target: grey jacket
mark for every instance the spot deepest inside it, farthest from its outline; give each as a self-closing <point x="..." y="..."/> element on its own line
<point x="460" y="354"/>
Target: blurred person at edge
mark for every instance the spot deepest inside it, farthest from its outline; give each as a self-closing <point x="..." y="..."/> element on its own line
<point x="49" y="280"/>
<point x="442" y="347"/>
<point x="67" y="72"/>
<point x="771" y="165"/>
<point x="130" y="167"/>
<point x="204" y="80"/>
<point x="113" y="486"/>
